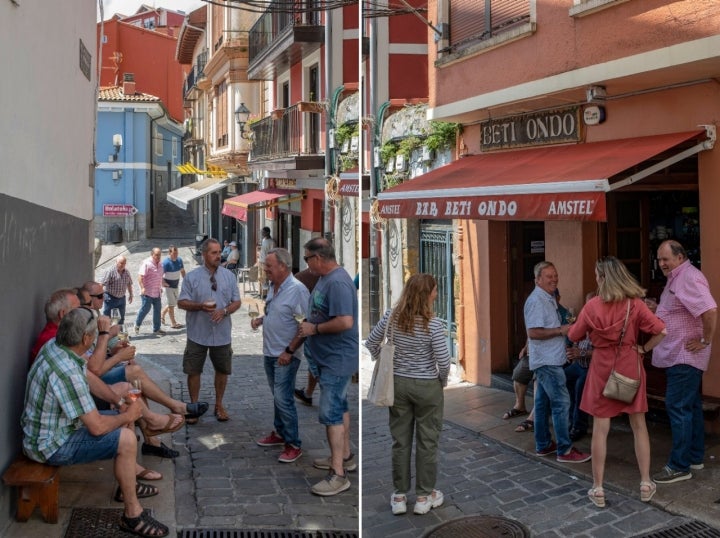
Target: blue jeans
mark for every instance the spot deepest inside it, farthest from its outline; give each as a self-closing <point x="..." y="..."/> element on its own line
<point x="84" y="447"/>
<point x="333" y="398"/>
<point x="147" y="302"/>
<point x="683" y="403"/>
<point x="282" y="385"/>
<point x="551" y="397"/>
<point x="576" y="376"/>
<point x="111" y="302"/>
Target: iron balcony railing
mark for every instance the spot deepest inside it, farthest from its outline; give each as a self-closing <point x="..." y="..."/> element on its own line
<point x="196" y="73"/>
<point x="287" y="133"/>
<point x="279" y="17"/>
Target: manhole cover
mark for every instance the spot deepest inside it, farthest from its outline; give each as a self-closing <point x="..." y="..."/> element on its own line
<point x="694" y="529"/>
<point x="95" y="522"/>
<point x="479" y="527"/>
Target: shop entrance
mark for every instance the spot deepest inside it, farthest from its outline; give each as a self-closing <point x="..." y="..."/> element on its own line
<point x="643" y="220"/>
<point x="526" y="246"/>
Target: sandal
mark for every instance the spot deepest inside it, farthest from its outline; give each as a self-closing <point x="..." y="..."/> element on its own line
<point x="143" y="525"/>
<point x="221" y="414"/>
<point x="525" y="426"/>
<point x="148" y="474"/>
<point x="177" y="326"/>
<point x="647" y="490"/>
<point x="512" y="413"/>
<point x="169" y="427"/>
<point x="195" y="410"/>
<point x="142" y="491"/>
<point x="597" y="496"/>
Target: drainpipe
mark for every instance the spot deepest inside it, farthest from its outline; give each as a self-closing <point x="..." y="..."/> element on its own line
<point x="328" y="121"/>
<point x="374" y="262"/>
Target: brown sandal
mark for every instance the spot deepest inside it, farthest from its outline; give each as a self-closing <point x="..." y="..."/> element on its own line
<point x="169" y="428"/>
<point x="221" y="414"/>
<point x="143" y="525"/>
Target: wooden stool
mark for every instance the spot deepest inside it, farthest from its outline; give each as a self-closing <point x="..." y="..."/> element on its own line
<point x="38" y="485"/>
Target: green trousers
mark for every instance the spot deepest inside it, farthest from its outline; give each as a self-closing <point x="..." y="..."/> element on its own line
<point x="418" y="412"/>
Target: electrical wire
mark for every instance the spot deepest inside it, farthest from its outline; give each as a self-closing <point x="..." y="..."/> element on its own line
<point x="371" y="8"/>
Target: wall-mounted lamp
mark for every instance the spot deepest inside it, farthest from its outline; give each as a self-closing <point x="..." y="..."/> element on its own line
<point x="596" y="94"/>
<point x="242" y="114"/>
<point x="117" y="143"/>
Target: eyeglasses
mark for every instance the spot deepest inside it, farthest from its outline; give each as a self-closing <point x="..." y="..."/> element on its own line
<point x="213" y="283"/>
<point x="306" y="258"/>
<point x="97" y="295"/>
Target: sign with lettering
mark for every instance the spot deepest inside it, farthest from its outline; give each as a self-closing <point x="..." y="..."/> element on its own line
<point x="588" y="206"/>
<point x="537" y="129"/>
<point x="119" y="210"/>
<point x="349" y="187"/>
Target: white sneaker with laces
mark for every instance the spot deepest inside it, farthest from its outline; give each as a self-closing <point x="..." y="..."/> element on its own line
<point x="398" y="503"/>
<point x="431" y="501"/>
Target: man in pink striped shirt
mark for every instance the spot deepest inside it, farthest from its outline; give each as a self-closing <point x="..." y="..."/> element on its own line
<point x="150" y="279"/>
<point x="690" y="315"/>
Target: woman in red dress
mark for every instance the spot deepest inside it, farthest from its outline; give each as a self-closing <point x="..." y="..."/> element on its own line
<point x="619" y="298"/>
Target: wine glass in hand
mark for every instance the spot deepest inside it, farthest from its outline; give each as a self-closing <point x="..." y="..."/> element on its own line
<point x="299" y="314"/>
<point x="253" y="312"/>
<point x="571" y="317"/>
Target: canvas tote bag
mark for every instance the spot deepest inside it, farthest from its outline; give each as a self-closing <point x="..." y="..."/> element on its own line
<point x="382" y="384"/>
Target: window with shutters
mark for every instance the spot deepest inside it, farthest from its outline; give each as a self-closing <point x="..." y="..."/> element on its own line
<point x="586" y="7"/>
<point x="221" y="116"/>
<point x="481" y="24"/>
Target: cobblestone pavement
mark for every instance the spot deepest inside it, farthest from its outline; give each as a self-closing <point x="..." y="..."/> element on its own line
<point x="222" y="478"/>
<point x="480" y="476"/>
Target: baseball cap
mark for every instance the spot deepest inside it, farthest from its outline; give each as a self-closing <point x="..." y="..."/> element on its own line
<point x="233" y="244"/>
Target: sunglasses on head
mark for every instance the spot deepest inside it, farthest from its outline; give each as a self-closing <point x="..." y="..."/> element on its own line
<point x="213" y="283"/>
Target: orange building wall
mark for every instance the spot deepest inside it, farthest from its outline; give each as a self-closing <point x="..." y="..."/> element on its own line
<point x="563" y="43"/>
<point x="407" y="75"/>
<point x="407" y="28"/>
<point x="312" y="210"/>
<point x="150" y="56"/>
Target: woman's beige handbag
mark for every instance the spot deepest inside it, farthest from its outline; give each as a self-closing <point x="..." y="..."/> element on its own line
<point x="382" y="384"/>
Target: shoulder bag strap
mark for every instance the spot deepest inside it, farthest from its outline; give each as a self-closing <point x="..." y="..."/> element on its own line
<point x="387" y="328"/>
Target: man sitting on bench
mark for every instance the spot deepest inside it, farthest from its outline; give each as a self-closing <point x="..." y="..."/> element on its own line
<point x="62" y="426"/>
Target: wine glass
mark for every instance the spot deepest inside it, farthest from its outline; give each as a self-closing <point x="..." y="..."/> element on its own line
<point x="253" y="312"/>
<point x="135" y="391"/>
<point x="123" y="335"/>
<point x="571" y="317"/>
<point x="115" y="316"/>
<point x="299" y="314"/>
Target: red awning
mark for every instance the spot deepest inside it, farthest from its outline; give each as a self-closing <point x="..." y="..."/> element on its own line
<point x="548" y="183"/>
<point x="238" y="206"/>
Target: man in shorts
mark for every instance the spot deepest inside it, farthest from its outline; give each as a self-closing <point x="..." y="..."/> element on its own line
<point x="62" y="426"/>
<point x="173" y="269"/>
<point x="522" y="376"/>
<point x="332" y="339"/>
<point x="209" y="296"/>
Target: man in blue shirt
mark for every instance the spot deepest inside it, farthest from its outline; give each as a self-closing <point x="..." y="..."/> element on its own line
<point x="174" y="269"/>
<point x="209" y="295"/>
<point x="546" y="348"/>
<point x="287" y="297"/>
<point x="332" y="336"/>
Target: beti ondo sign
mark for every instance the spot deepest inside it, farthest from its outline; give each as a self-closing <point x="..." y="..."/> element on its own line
<point x="536" y="129"/>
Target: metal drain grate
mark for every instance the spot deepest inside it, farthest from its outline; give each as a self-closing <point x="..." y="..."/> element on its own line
<point x="264" y="533"/>
<point x="479" y="527"/>
<point x="95" y="522"/>
<point x="694" y="529"/>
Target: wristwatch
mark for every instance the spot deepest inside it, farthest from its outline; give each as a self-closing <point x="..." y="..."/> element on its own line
<point x="121" y="402"/>
<point x="704" y="342"/>
<point x="288" y="350"/>
<point x="225" y="312"/>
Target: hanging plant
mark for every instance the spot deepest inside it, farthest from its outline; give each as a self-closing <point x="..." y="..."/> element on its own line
<point x="442" y="135"/>
<point x="348" y="161"/>
<point x="387" y="152"/>
<point x="345" y="132"/>
<point x="408" y="145"/>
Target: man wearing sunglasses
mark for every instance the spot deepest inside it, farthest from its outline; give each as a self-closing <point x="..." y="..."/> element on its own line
<point x="332" y="338"/>
<point x="67" y="431"/>
<point x="209" y="295"/>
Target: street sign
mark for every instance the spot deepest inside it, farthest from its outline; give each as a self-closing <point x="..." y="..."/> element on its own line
<point x="119" y="210"/>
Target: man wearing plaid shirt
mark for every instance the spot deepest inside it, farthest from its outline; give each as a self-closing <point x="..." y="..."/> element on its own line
<point x="62" y="426"/>
<point x="116" y="282"/>
<point x="690" y="315"/>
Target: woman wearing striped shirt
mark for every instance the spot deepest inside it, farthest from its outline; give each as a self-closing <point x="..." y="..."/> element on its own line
<point x="421" y="366"/>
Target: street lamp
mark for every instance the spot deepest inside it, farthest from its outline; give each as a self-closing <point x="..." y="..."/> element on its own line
<point x="242" y="113"/>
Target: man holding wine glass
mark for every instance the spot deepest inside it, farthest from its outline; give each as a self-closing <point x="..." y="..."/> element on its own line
<point x="285" y="307"/>
<point x="209" y="295"/>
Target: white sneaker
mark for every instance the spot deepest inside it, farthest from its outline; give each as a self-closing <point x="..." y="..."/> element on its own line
<point x="398" y="503"/>
<point x="431" y="501"/>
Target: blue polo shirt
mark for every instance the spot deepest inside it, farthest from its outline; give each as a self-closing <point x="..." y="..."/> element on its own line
<point x="541" y="312"/>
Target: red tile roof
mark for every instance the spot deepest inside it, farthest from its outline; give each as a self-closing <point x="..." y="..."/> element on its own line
<point x="115" y="93"/>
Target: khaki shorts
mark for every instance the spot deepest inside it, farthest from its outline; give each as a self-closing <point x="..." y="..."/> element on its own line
<point x="171" y="294"/>
<point x="195" y="355"/>
<point x="522" y="373"/>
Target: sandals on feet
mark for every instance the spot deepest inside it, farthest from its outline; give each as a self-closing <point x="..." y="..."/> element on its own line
<point x="512" y="413"/>
<point x="597" y="496"/>
<point x="170" y="426"/>
<point x="141" y="490"/>
<point x="525" y="426"/>
<point x="143" y="525"/>
<point x="148" y="474"/>
<point x="647" y="490"/>
<point x="221" y="414"/>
